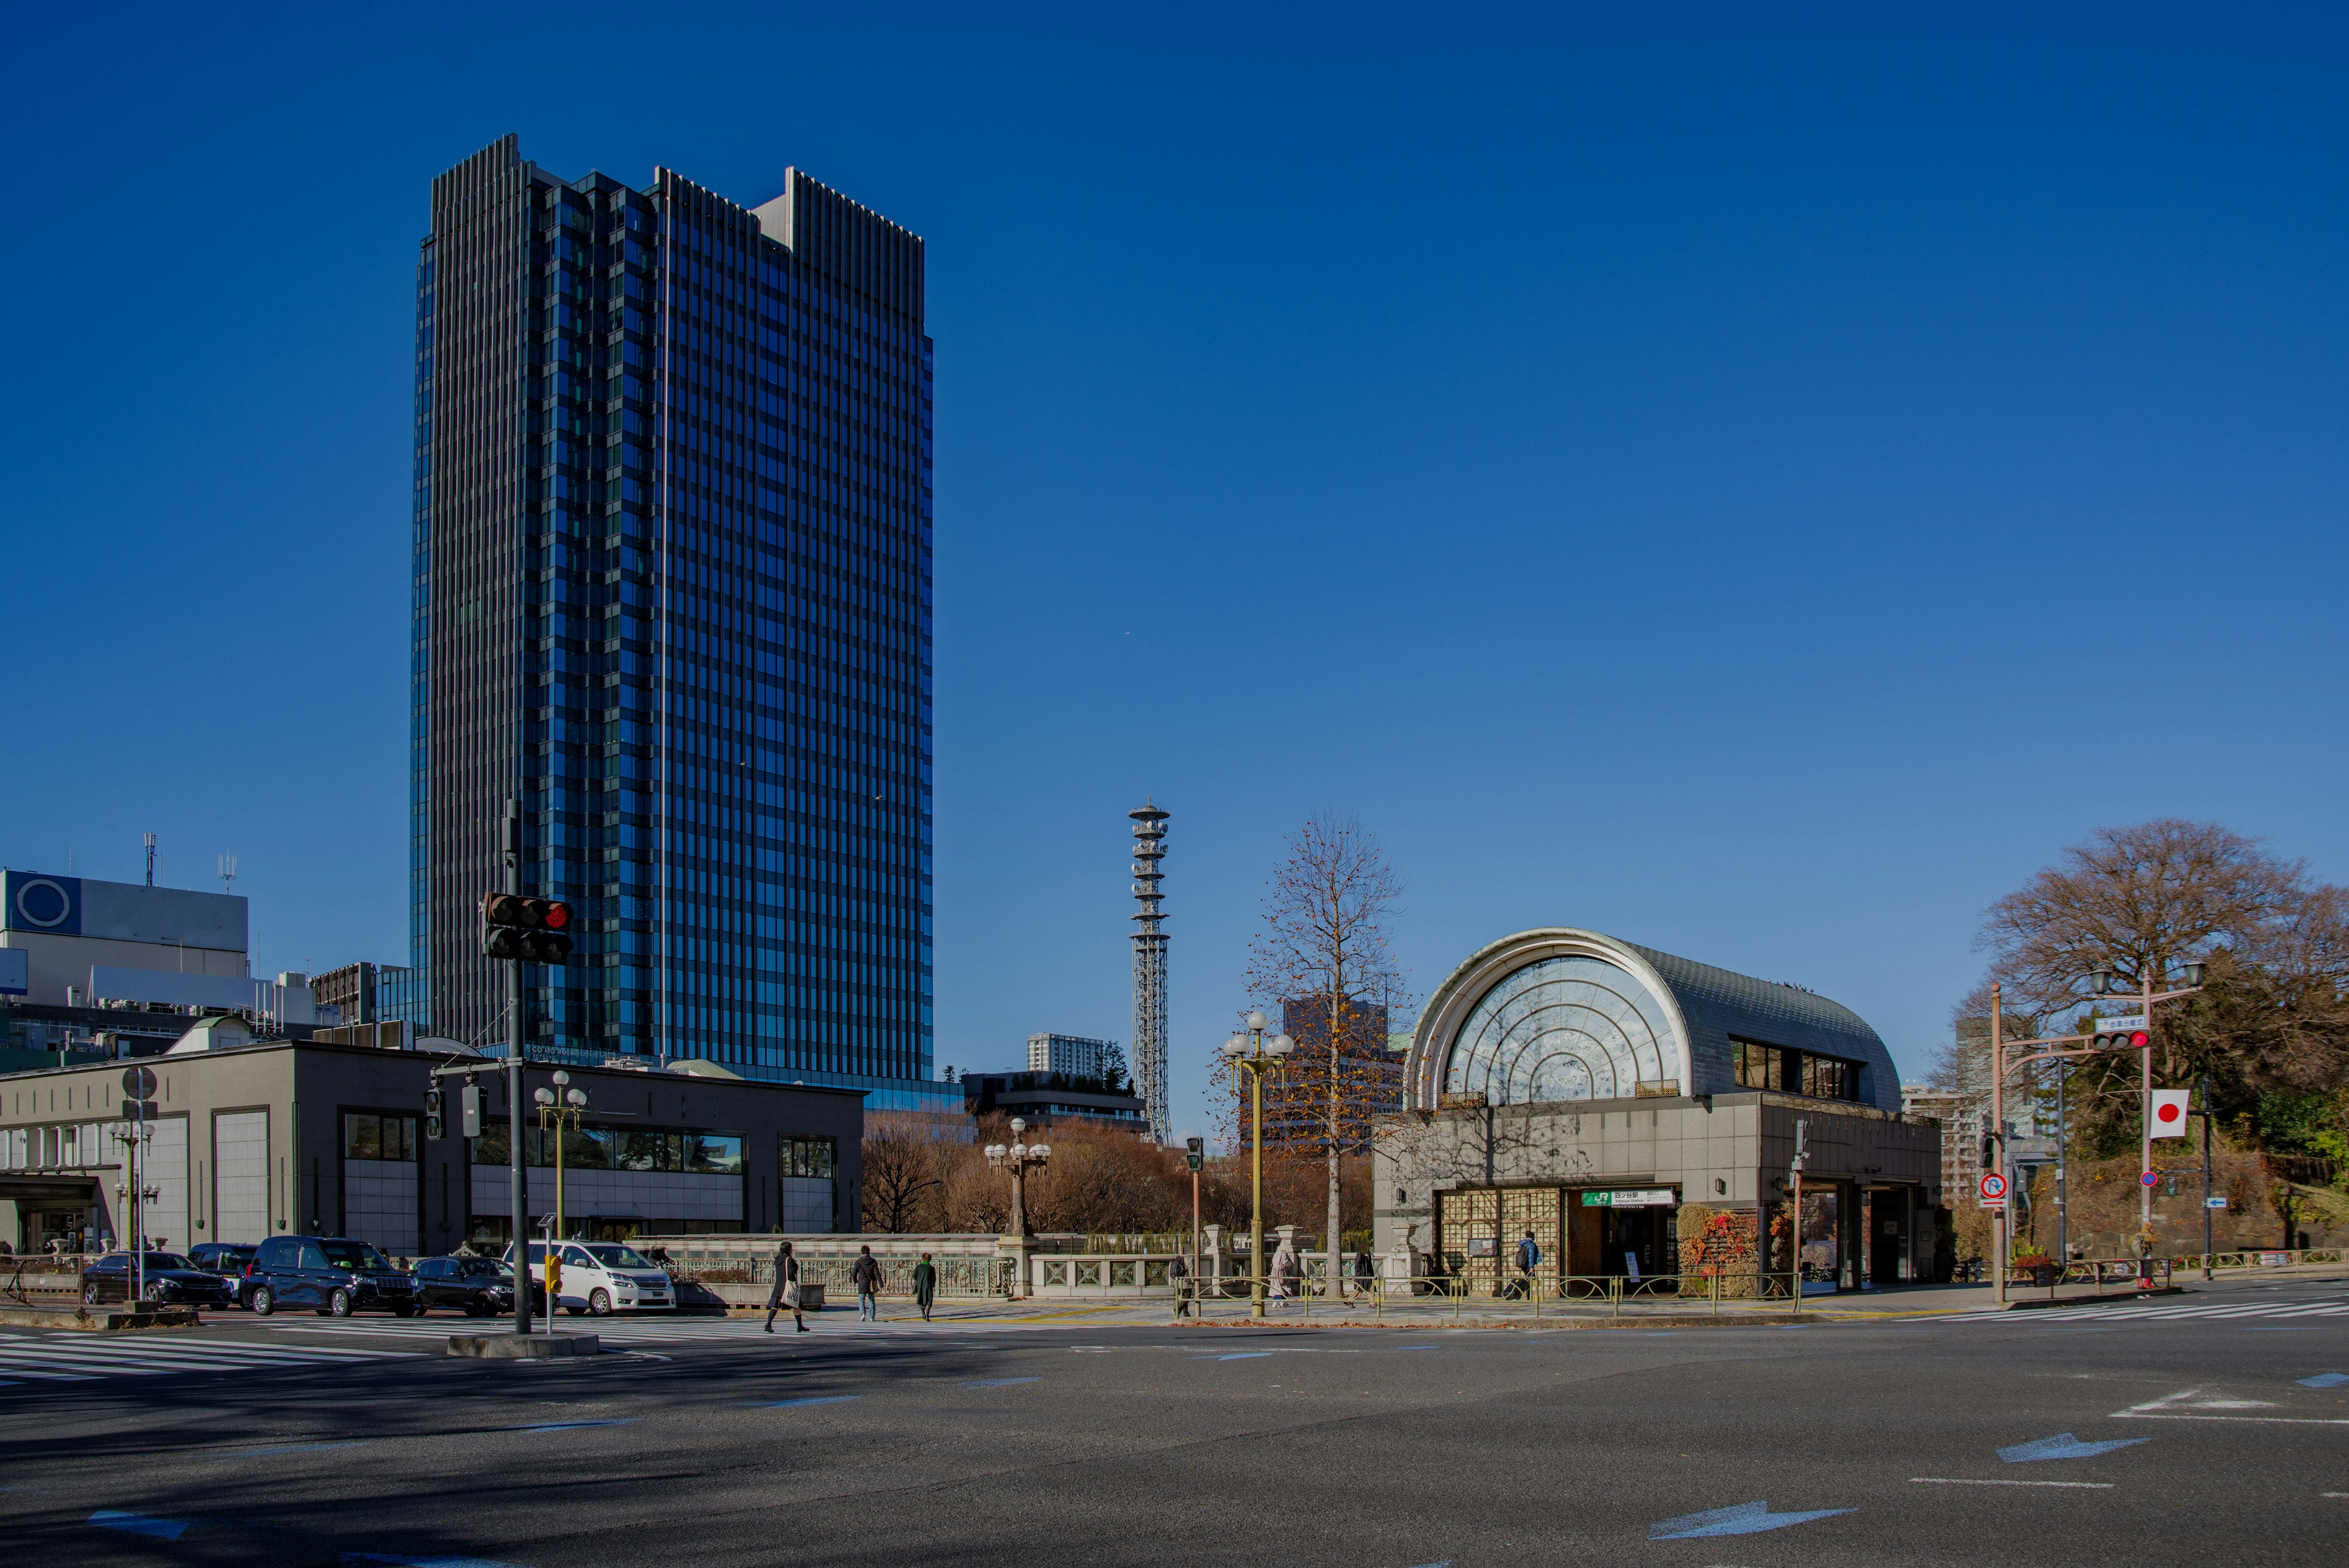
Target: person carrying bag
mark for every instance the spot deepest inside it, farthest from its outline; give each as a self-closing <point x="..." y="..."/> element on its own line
<point x="786" y="1292"/>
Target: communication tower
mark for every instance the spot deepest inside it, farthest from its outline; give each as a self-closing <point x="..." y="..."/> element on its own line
<point x="1150" y="970"/>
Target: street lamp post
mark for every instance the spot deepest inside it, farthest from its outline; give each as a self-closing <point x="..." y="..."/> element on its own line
<point x="1020" y="1157"/>
<point x="552" y="1115"/>
<point x="2058" y="1046"/>
<point x="1253" y="1052"/>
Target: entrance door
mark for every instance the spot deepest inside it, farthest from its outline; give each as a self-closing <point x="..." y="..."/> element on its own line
<point x="1888" y="1214"/>
<point x="1822" y="1249"/>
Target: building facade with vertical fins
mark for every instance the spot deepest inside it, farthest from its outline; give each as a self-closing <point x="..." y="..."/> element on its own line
<point x="672" y="591"/>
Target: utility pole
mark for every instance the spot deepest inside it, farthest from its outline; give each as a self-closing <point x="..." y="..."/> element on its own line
<point x="150" y="860"/>
<point x="2063" y="1246"/>
<point x="2206" y="1169"/>
<point x="513" y="1091"/>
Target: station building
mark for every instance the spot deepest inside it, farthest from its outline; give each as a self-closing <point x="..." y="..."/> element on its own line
<point x="259" y="1137"/>
<point x="1591" y="1091"/>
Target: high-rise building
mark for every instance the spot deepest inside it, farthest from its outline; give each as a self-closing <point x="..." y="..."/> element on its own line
<point x="1075" y="1056"/>
<point x="672" y="593"/>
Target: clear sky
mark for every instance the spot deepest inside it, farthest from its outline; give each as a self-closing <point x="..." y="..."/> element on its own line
<point x="1755" y="484"/>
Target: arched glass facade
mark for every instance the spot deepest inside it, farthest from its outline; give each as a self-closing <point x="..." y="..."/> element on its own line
<point x="1570" y="1028"/>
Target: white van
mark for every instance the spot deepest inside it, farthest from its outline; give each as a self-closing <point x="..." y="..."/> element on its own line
<point x="602" y="1278"/>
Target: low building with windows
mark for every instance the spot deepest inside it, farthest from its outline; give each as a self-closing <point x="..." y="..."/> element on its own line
<point x="261" y="1137"/>
<point x="1596" y="1094"/>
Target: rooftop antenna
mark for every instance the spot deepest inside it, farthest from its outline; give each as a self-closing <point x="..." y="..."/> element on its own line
<point x="150" y="860"/>
<point x="227" y="871"/>
<point x="1150" y="970"/>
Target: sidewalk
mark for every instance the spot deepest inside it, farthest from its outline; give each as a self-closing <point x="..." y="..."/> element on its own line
<point x="1423" y="1313"/>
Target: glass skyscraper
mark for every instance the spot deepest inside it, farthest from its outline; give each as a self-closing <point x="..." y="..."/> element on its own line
<point x="672" y="592"/>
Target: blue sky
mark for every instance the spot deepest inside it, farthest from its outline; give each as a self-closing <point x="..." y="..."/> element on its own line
<point x="1758" y="485"/>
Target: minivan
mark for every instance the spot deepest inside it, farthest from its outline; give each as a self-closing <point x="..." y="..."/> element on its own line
<point x="604" y="1277"/>
<point x="331" y="1275"/>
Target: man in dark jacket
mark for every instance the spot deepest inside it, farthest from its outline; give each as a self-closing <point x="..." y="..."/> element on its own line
<point x="866" y="1272"/>
<point x="926" y="1285"/>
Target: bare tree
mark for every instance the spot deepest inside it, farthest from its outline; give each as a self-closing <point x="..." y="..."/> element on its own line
<point x="905" y="1168"/>
<point x="2135" y="899"/>
<point x="1322" y="951"/>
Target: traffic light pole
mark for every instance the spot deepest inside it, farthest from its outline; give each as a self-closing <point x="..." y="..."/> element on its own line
<point x="513" y="1089"/>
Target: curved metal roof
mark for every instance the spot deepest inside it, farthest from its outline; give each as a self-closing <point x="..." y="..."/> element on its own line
<point x="1704" y="1006"/>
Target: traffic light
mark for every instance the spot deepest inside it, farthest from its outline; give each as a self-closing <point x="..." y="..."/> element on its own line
<point x="1197" y="1152"/>
<point x="535" y="930"/>
<point x="2125" y="1040"/>
<point x="433" y="1129"/>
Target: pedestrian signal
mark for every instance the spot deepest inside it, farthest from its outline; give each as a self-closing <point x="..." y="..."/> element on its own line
<point x="533" y="930"/>
<point x="432" y="1127"/>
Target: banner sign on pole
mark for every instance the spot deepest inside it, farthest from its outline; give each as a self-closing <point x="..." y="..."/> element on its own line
<point x="2170" y="1113"/>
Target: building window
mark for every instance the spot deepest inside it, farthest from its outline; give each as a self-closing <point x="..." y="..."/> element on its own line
<point x="1827" y="1078"/>
<point x="1759" y="1066"/>
<point x="366" y="1136"/>
<point x="807" y="1155"/>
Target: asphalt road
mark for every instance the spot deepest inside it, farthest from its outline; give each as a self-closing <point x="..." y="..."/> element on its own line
<point x="1823" y="1446"/>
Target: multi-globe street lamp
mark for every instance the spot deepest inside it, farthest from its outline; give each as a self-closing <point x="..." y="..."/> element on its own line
<point x="1252" y="1052"/>
<point x="564" y="1110"/>
<point x="1019" y="1157"/>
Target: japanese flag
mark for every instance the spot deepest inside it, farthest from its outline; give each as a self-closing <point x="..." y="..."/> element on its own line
<point x="2170" y="1113"/>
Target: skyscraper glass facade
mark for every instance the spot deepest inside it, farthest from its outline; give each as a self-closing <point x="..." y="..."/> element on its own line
<point x="672" y="593"/>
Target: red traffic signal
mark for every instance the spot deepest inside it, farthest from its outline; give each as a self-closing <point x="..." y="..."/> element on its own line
<point x="533" y="930"/>
<point x="2127" y="1040"/>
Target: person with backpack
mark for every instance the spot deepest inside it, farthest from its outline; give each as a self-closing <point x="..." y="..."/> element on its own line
<point x="1528" y="1259"/>
<point x="867" y="1273"/>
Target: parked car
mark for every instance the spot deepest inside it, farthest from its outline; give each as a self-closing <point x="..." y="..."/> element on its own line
<point x="602" y="1278"/>
<point x="331" y="1275"/>
<point x="171" y="1281"/>
<point x="480" y="1287"/>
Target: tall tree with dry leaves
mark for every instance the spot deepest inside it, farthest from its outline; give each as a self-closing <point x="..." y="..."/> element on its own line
<point x="1324" y="946"/>
<point x="2139" y="899"/>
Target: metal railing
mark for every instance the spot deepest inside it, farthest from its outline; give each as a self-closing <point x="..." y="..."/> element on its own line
<point x="1575" y="1295"/>
<point x="2258" y="1258"/>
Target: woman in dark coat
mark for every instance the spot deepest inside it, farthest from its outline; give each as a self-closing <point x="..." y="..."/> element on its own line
<point x="926" y="1285"/>
<point x="786" y="1292"/>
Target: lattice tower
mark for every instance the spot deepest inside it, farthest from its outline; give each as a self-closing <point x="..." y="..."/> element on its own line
<point x="1150" y="970"/>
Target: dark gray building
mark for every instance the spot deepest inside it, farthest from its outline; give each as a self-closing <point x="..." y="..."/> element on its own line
<point x="1591" y="1091"/>
<point x="279" y="1136"/>
<point x="672" y="591"/>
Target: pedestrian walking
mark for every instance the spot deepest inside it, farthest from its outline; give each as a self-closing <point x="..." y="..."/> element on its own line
<point x="1528" y="1256"/>
<point x="866" y="1272"/>
<point x="926" y="1285"/>
<point x="1178" y="1274"/>
<point x="1284" y="1269"/>
<point x="1362" y="1275"/>
<point x="786" y="1293"/>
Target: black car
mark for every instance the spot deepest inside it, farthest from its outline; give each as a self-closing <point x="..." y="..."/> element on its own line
<point x="331" y="1275"/>
<point x="228" y="1258"/>
<point x="171" y="1281"/>
<point x="480" y="1287"/>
